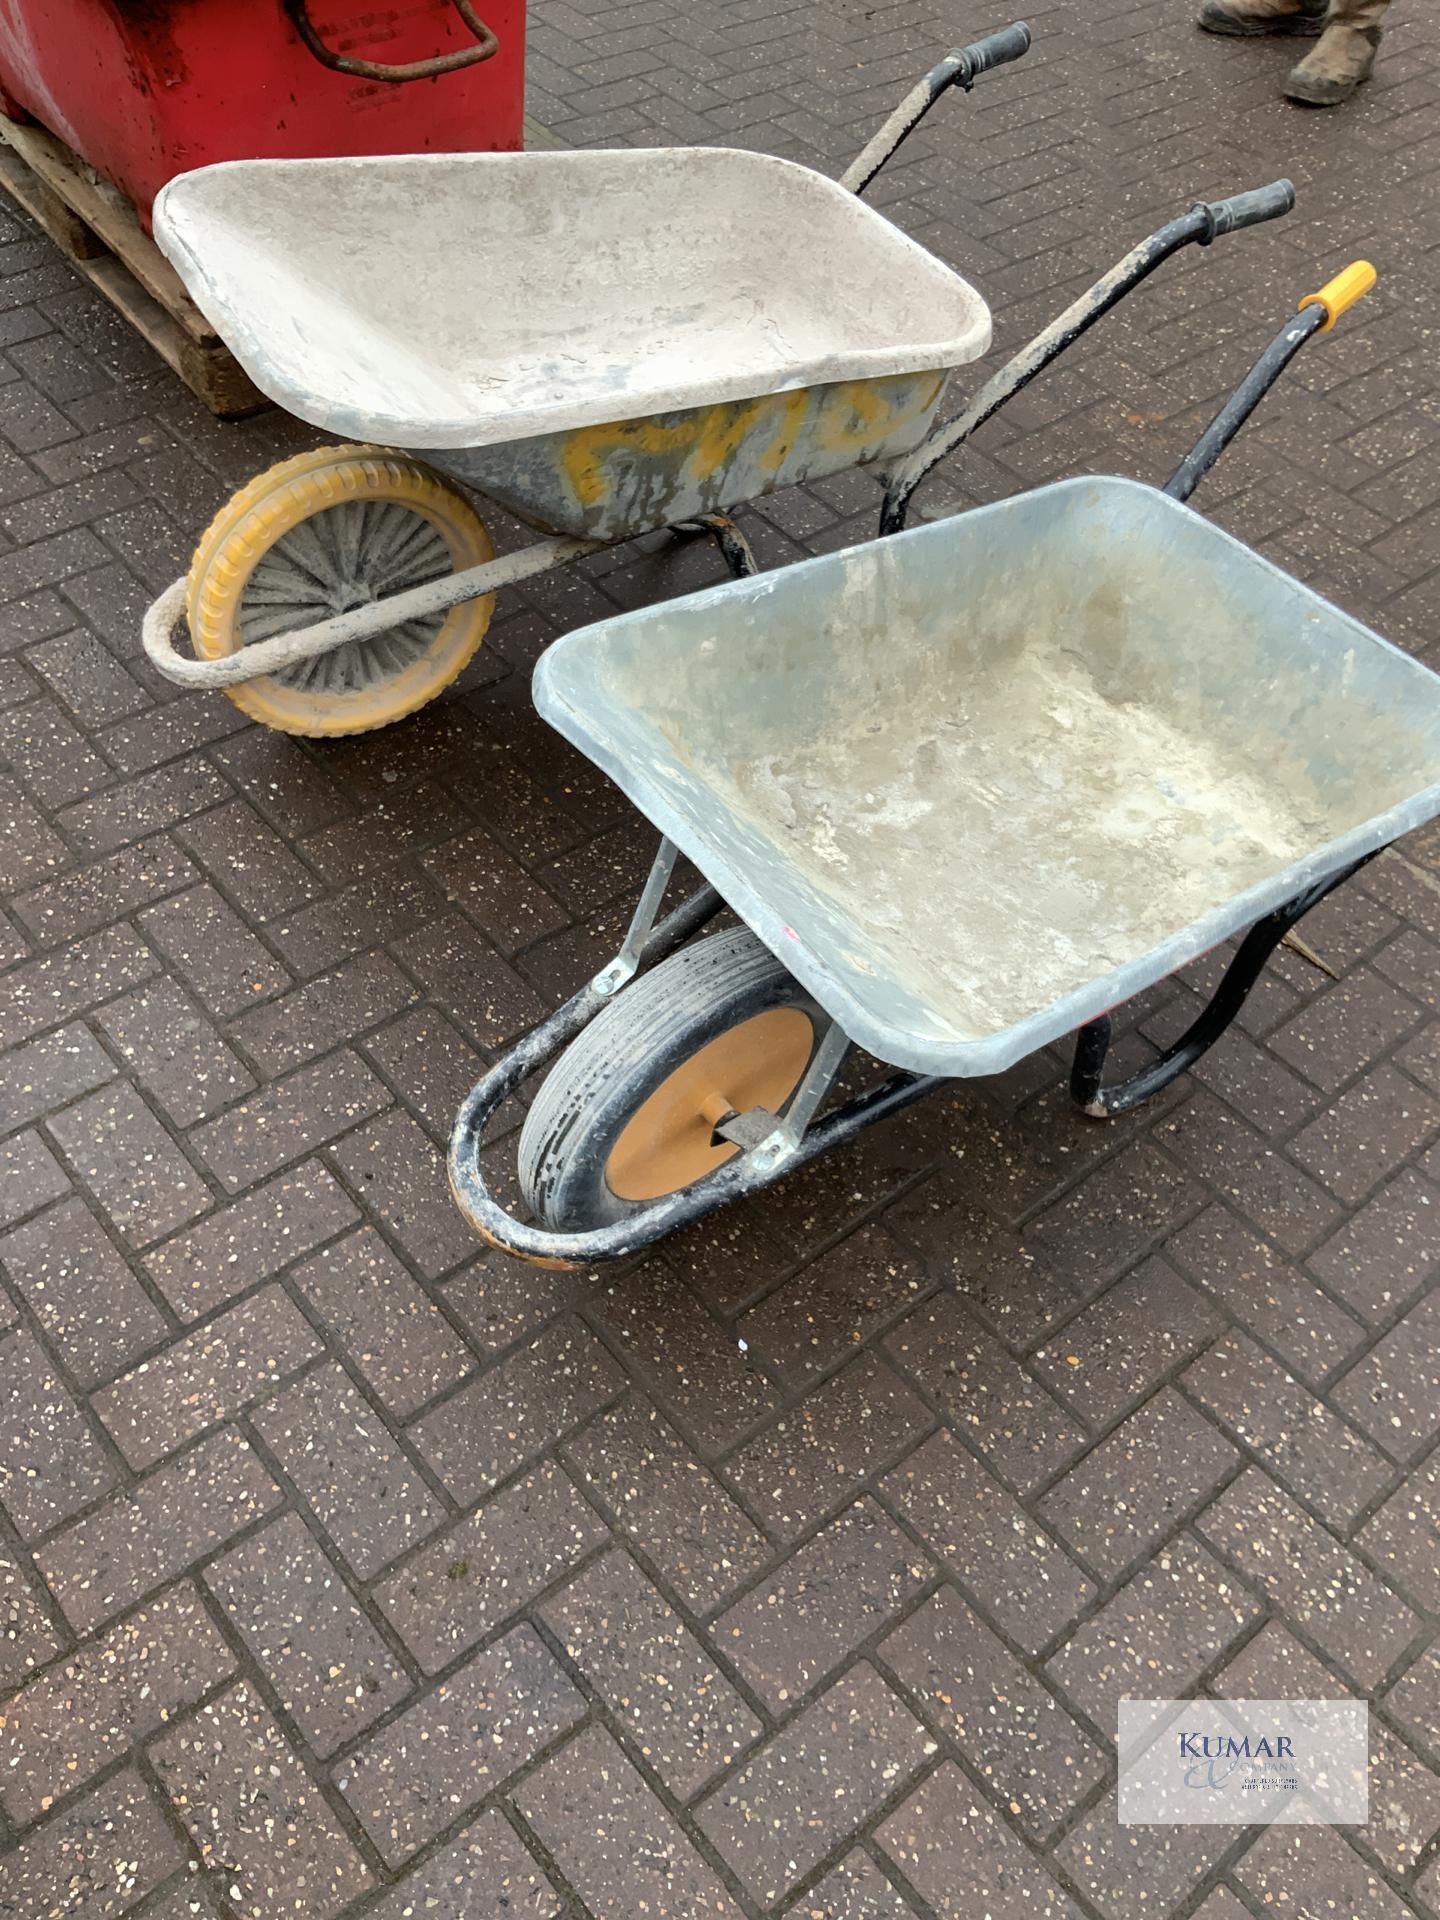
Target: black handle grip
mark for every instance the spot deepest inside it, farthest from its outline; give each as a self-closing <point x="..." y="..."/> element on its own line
<point x="995" y="50"/>
<point x="1248" y="209"/>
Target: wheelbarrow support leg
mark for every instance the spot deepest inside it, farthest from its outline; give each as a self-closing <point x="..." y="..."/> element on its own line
<point x="1092" y="1043"/>
<point x="738" y="553"/>
<point x="1202" y="224"/>
<point x="737" y="550"/>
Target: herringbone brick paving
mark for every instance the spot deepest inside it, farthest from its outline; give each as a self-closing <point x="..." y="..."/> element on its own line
<point x="797" y="1569"/>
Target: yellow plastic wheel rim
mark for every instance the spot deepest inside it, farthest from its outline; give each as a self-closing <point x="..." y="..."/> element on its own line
<point x="317" y="534"/>
<point x="668" y="1143"/>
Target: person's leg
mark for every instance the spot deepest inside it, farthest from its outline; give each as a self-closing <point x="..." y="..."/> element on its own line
<point x="1262" y="16"/>
<point x="1344" y="56"/>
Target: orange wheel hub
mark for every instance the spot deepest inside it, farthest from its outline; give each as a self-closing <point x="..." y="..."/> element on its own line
<point x="669" y="1143"/>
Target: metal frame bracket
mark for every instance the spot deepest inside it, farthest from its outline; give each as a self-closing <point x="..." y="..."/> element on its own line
<point x="620" y="971"/>
<point x="815" y="1083"/>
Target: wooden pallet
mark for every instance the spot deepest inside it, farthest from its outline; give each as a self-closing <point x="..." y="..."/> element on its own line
<point x="99" y="234"/>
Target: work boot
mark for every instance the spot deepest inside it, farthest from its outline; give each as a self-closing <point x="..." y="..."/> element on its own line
<point x="1262" y="16"/>
<point x="1332" y="71"/>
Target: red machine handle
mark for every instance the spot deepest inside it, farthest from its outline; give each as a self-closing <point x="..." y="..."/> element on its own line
<point x="438" y="63"/>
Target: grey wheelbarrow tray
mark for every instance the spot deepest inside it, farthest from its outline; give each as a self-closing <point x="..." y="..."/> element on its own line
<point x="605" y="343"/>
<point x="976" y="784"/>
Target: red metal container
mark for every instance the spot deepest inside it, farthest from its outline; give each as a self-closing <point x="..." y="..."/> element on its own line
<point x="146" y="89"/>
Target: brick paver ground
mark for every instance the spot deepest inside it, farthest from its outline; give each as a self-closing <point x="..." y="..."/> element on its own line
<point x="797" y="1569"/>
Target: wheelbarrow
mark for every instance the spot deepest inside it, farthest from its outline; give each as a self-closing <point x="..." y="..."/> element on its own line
<point x="603" y="343"/>
<point x="967" y="789"/>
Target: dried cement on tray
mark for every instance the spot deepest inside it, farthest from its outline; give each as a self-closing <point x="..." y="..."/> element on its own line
<point x="1003" y="836"/>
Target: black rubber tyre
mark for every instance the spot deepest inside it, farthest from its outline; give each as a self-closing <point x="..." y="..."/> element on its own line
<point x="610" y="1070"/>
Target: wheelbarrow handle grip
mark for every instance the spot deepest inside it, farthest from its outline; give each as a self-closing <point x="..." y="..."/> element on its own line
<point x="1337" y="296"/>
<point x="960" y="68"/>
<point x="1248" y="209"/>
<point x="995" y="50"/>
<point x="1317" y="313"/>
<point x="1197" y="227"/>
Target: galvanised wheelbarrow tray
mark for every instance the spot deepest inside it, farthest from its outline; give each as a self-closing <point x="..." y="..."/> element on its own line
<point x="968" y="788"/>
<point x="604" y="343"/>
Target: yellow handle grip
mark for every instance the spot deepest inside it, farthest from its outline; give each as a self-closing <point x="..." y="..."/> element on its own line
<point x="1342" y="292"/>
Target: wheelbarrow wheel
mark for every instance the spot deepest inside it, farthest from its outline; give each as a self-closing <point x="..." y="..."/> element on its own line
<point x="628" y="1113"/>
<point x="316" y="536"/>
